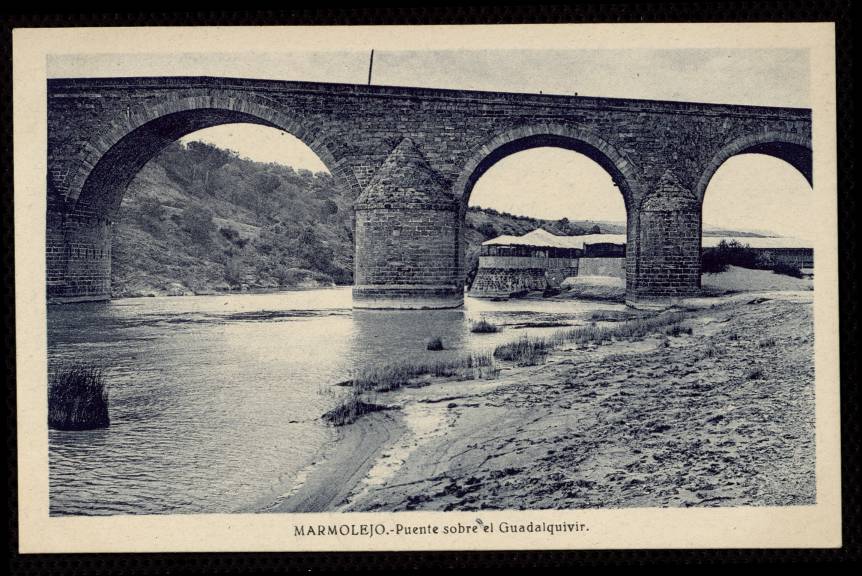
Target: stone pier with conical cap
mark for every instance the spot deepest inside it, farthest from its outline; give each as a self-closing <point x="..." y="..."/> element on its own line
<point x="664" y="261"/>
<point x="406" y="237"/>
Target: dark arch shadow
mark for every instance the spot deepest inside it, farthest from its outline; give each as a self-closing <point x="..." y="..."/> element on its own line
<point x="108" y="163"/>
<point x="106" y="184"/>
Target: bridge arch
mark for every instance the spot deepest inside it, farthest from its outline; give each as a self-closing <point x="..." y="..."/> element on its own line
<point x="578" y="139"/>
<point x="108" y="162"/>
<point x="622" y="170"/>
<point x="795" y="149"/>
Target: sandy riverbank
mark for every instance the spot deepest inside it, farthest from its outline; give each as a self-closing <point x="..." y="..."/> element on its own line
<point x="721" y="417"/>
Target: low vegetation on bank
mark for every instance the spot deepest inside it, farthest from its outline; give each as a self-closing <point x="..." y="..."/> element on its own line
<point x="394" y="376"/>
<point x="78" y="398"/>
<point x="350" y="409"/>
<point x="529" y="351"/>
<point x="526" y="351"/>
<point x="735" y="253"/>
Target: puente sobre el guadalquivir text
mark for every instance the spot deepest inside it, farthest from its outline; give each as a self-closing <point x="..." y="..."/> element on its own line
<point x="411" y="157"/>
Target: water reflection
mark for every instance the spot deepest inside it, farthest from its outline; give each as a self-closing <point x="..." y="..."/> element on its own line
<point x="383" y="336"/>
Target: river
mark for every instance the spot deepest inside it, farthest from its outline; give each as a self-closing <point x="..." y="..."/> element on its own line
<point x="215" y="401"/>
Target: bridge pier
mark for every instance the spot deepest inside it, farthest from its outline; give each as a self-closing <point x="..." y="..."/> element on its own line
<point x="407" y="237"/>
<point x="78" y="255"/>
<point x="664" y="246"/>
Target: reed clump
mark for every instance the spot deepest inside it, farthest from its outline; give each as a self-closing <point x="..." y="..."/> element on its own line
<point x="78" y="398"/>
<point x="529" y="351"/>
<point x="350" y="409"/>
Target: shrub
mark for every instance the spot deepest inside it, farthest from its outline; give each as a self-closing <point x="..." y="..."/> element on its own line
<point x="727" y="254"/>
<point x="198" y="222"/>
<point x="677" y="329"/>
<point x="753" y="373"/>
<point x="234" y="270"/>
<point x="150" y="215"/>
<point x="711" y="351"/>
<point x="488" y="230"/>
<point x="787" y="269"/>
<point x="484" y="327"/>
<point x="78" y="398"/>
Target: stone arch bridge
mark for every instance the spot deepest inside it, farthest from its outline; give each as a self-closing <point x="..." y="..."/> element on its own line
<point x="410" y="156"/>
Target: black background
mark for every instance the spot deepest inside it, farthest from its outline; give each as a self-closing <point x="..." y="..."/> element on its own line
<point x="839" y="11"/>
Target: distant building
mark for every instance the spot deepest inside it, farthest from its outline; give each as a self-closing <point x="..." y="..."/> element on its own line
<point x="771" y="249"/>
<point x="539" y="260"/>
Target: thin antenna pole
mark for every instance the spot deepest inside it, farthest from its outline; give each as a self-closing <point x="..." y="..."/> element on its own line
<point x="370" y="67"/>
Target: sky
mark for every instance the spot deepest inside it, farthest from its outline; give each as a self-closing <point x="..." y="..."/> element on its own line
<point x="750" y="191"/>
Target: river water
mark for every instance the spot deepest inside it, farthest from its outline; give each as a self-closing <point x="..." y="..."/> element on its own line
<point x="215" y="401"/>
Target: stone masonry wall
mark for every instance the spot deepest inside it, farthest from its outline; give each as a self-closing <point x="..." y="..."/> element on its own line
<point x="669" y="247"/>
<point x="78" y="256"/>
<point x="501" y="282"/>
<point x="406" y="253"/>
<point x="603" y="267"/>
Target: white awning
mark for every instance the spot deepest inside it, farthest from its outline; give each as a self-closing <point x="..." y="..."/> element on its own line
<point x="540" y="238"/>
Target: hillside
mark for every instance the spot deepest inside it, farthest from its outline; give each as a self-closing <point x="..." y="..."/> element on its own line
<point x="199" y="219"/>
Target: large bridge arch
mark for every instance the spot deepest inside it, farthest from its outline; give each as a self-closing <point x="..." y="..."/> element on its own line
<point x="85" y="201"/>
<point x="793" y="148"/>
<point x="107" y="162"/>
<point x="578" y="139"/>
<point x="622" y="170"/>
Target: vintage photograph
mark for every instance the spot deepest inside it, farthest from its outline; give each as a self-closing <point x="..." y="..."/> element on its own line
<point x="512" y="278"/>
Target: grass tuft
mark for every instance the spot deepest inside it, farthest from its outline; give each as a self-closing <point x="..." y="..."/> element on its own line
<point x="435" y="344"/>
<point x="78" y="398"/>
<point x="484" y="327"/>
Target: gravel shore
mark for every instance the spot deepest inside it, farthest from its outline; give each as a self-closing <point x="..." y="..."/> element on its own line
<point x="723" y="416"/>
